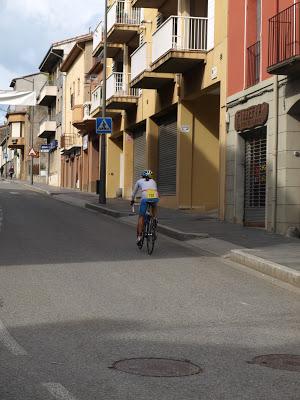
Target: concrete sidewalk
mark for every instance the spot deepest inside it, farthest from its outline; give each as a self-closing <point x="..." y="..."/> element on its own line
<point x="268" y="253"/>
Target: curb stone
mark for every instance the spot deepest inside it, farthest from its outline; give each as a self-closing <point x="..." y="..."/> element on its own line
<point x="267" y="267"/>
<point x="108" y="211"/>
<point x="165" y="230"/>
<point x="35" y="189"/>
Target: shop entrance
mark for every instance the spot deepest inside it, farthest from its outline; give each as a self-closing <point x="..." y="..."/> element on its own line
<point x="255" y="178"/>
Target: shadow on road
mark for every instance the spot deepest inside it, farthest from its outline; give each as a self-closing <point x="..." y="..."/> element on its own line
<point x="38" y="229"/>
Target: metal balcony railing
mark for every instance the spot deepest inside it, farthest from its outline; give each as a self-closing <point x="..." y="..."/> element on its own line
<point x="98" y="35"/>
<point x="180" y="33"/>
<point x="284" y="35"/>
<point x="118" y="85"/>
<point x="97" y="98"/>
<point x="122" y="13"/>
<point x="253" y="64"/>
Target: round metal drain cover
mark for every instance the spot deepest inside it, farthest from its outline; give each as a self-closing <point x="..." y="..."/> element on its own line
<point x="157" y="367"/>
<point x="287" y="362"/>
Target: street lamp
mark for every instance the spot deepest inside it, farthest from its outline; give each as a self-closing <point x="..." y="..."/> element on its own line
<point x="102" y="185"/>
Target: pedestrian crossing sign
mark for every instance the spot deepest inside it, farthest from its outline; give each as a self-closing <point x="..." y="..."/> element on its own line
<point x="104" y="125"/>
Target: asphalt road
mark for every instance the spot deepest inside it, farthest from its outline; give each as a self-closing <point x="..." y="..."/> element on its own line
<point x="76" y="295"/>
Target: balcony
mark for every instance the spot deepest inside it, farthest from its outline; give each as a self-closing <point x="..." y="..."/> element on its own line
<point x="253" y="64"/>
<point x="119" y="94"/>
<point x="77" y="115"/>
<point x="70" y="141"/>
<point x="179" y="44"/>
<point x="148" y="3"/>
<point x="98" y="44"/>
<point x="141" y="75"/>
<point x="97" y="101"/>
<point x="48" y="94"/>
<point x="123" y="23"/>
<point x="47" y="128"/>
<point x="16" y="114"/>
<point x="16" y="143"/>
<point x="284" y="42"/>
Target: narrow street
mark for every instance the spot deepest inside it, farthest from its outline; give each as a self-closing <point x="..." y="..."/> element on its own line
<point x="76" y="296"/>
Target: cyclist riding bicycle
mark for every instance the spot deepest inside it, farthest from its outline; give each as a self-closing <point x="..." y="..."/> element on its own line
<point x="148" y="187"/>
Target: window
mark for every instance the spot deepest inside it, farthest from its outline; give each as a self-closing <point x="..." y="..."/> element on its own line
<point x="16" y="130"/>
<point x="78" y="86"/>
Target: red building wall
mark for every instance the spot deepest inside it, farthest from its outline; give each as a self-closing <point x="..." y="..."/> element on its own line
<point x="242" y="33"/>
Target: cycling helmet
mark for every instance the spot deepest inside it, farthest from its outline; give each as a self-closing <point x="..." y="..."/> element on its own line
<point x="148" y="174"/>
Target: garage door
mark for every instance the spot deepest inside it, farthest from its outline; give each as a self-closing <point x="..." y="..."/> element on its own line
<point x="139" y="153"/>
<point x="167" y="156"/>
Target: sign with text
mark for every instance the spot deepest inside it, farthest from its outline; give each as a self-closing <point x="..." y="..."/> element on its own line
<point x="251" y="117"/>
<point x="45" y="148"/>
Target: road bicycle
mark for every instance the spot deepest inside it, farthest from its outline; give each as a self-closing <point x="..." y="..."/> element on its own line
<point x="149" y="231"/>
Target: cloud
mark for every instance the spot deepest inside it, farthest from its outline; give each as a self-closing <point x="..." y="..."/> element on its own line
<point x="39" y="23"/>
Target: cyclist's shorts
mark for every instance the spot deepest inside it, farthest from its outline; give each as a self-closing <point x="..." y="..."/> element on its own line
<point x="143" y="206"/>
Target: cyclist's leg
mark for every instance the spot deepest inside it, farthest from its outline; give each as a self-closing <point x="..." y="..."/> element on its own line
<point x="142" y="213"/>
<point x="154" y="207"/>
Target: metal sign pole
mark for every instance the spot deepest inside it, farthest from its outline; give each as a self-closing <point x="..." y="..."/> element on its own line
<point x="102" y="185"/>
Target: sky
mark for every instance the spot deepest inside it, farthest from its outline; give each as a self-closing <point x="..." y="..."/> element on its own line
<point x="28" y="27"/>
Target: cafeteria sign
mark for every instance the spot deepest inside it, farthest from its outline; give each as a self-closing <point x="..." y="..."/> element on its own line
<point x="251" y="117"/>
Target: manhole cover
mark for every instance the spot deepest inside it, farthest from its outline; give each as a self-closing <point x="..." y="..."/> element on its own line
<point x="288" y="362"/>
<point x="157" y="367"/>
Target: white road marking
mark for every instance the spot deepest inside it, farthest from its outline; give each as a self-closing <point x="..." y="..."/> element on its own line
<point x="10" y="343"/>
<point x="14" y="193"/>
<point x="58" y="391"/>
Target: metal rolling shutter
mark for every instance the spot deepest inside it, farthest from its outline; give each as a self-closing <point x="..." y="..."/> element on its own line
<point x="255" y="179"/>
<point x="139" y="154"/>
<point x="167" y="156"/>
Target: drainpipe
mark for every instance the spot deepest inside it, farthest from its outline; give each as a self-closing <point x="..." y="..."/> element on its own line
<point x="275" y="149"/>
<point x="275" y="156"/>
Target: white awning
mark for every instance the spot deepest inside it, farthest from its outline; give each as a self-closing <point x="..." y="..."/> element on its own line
<point x="13" y="98"/>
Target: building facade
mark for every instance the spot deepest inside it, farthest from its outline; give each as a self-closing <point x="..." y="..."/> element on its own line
<point x="263" y="114"/>
<point x="76" y="122"/>
<point x="51" y="96"/>
<point x="166" y="92"/>
<point x="23" y="122"/>
<point x="6" y="154"/>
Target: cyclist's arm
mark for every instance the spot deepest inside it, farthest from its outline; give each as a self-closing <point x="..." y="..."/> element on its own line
<point x="135" y="190"/>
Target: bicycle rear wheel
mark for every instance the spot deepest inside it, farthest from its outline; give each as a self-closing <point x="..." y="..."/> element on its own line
<point x="151" y="236"/>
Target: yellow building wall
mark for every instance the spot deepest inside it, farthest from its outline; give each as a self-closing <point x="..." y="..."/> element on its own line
<point x="74" y="75"/>
<point x="114" y="150"/>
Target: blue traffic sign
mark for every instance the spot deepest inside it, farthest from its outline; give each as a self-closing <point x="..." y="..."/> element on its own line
<point x="45" y="148"/>
<point x="104" y="125"/>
